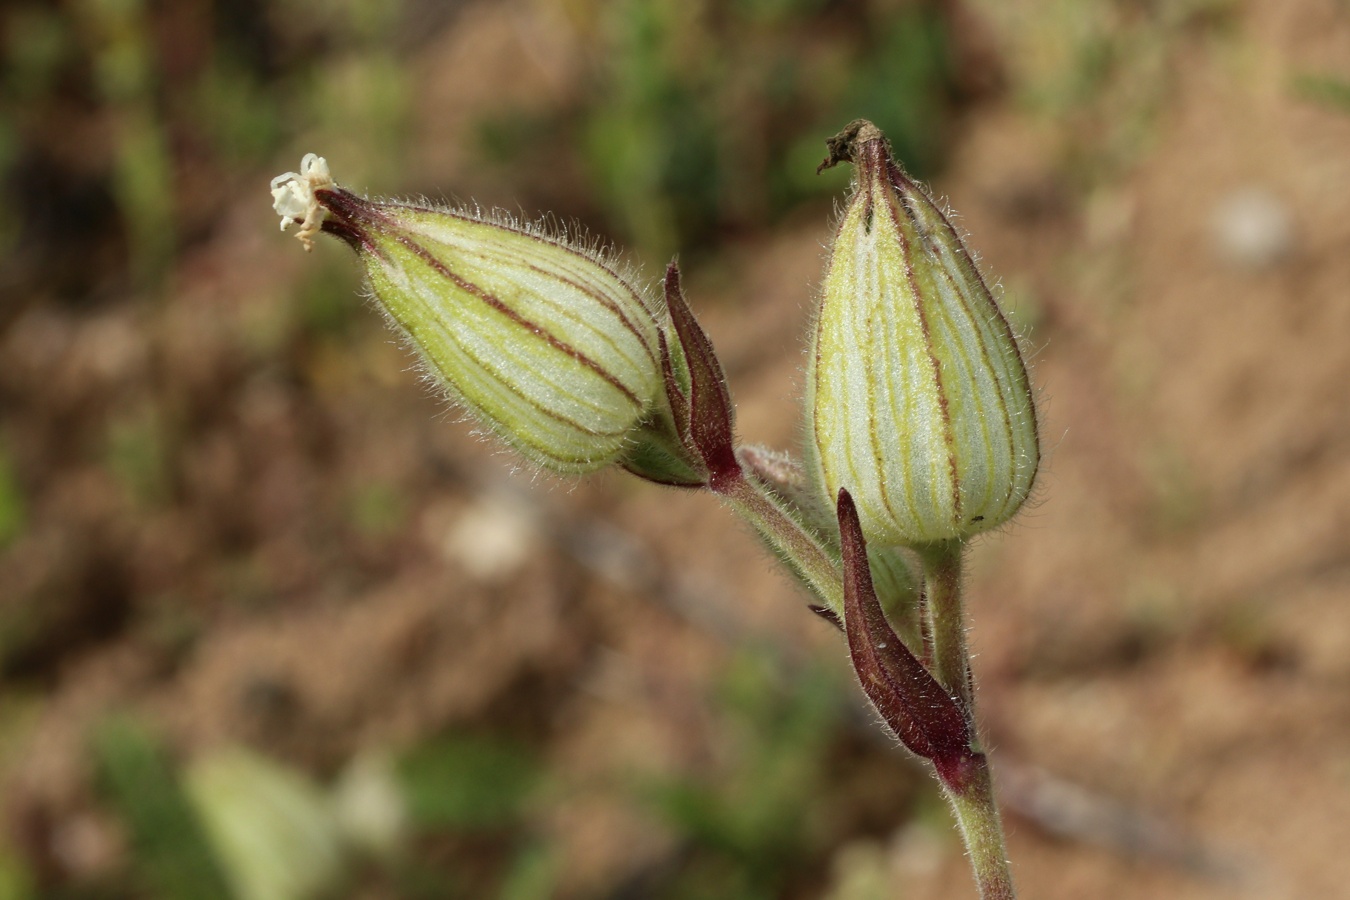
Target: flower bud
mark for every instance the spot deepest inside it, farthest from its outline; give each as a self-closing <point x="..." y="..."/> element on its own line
<point x="541" y="341"/>
<point x="918" y="398"/>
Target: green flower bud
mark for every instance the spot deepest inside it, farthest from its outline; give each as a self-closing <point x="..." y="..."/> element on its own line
<point x="540" y="340"/>
<point x="918" y="398"/>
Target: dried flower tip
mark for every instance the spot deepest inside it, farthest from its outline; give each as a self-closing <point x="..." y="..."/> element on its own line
<point x="293" y="197"/>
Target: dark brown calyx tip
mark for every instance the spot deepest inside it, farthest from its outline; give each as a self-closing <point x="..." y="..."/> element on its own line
<point x="844" y="145"/>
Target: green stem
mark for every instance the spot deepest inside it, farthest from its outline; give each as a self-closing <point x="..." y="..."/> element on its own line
<point x="790" y="540"/>
<point x="947" y="619"/>
<point x="971" y="792"/>
<point x="968" y="784"/>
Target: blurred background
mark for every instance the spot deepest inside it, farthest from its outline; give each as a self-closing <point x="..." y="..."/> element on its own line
<point x="275" y="626"/>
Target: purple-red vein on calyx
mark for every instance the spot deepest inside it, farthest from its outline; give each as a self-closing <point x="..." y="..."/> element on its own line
<point x="351" y="207"/>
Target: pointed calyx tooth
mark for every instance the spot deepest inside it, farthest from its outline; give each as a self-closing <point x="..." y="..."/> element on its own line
<point x="918" y="398"/>
<point x="542" y="340"/>
<point x="708" y="428"/>
<point x="926" y="719"/>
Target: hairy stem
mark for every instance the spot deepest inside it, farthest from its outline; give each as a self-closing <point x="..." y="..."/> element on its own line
<point x="970" y="789"/>
<point x="967" y="782"/>
<point x="947" y="619"/>
<point x="791" y="541"/>
<point x="965" y="779"/>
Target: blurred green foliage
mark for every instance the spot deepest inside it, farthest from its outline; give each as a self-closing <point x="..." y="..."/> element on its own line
<point x="753" y="825"/>
<point x="469" y="782"/>
<point x="171" y="856"/>
<point x="702" y="118"/>
<point x="533" y="875"/>
<point x="271" y="826"/>
<point x="1177" y="499"/>
<point x="13" y="511"/>
<point x="15" y="882"/>
<point x="1327" y="90"/>
<point x="139" y="454"/>
<point x="377" y="509"/>
<point x="695" y="119"/>
<point x="1107" y="70"/>
<point x="749" y="826"/>
<point x="470" y="794"/>
<point x="116" y="34"/>
<point x="170" y="104"/>
<point x="237" y="111"/>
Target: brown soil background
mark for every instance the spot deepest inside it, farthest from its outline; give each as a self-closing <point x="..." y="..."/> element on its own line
<point x="1163" y="640"/>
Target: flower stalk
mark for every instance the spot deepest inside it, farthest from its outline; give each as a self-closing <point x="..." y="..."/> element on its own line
<point x="946" y="618"/>
<point x="971" y="794"/>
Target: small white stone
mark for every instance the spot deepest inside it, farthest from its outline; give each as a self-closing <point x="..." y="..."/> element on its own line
<point x="493" y="538"/>
<point x="369" y="805"/>
<point x="1251" y="227"/>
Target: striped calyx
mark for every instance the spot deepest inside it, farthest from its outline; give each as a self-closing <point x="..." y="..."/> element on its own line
<point x="541" y="341"/>
<point x="918" y="399"/>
